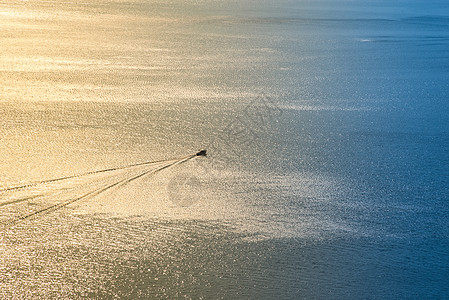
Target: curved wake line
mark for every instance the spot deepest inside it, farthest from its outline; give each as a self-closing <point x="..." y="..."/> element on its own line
<point x="95" y="192"/>
<point x="32" y="184"/>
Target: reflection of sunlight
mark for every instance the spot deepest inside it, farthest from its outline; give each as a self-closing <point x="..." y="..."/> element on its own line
<point x="23" y="15"/>
<point x="8" y="14"/>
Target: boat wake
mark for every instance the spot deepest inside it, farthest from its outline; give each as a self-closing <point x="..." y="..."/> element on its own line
<point x="22" y="202"/>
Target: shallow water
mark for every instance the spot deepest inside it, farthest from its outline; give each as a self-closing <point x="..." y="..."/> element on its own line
<point x="326" y="129"/>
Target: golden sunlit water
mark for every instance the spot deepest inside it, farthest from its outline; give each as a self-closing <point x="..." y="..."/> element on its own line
<point x="325" y="124"/>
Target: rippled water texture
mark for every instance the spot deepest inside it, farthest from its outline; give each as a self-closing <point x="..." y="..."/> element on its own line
<point x="326" y="129"/>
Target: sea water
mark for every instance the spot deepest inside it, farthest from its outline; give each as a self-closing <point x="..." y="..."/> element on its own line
<point x="326" y="129"/>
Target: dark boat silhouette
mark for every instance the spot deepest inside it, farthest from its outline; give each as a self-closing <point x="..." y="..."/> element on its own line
<point x="201" y="153"/>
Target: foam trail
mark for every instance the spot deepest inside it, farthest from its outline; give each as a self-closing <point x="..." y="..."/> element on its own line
<point x="51" y="190"/>
<point x="20" y="200"/>
<point x="32" y="184"/>
<point x="31" y="197"/>
<point x="96" y="192"/>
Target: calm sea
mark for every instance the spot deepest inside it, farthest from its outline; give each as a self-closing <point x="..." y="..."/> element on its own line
<point x="326" y="125"/>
